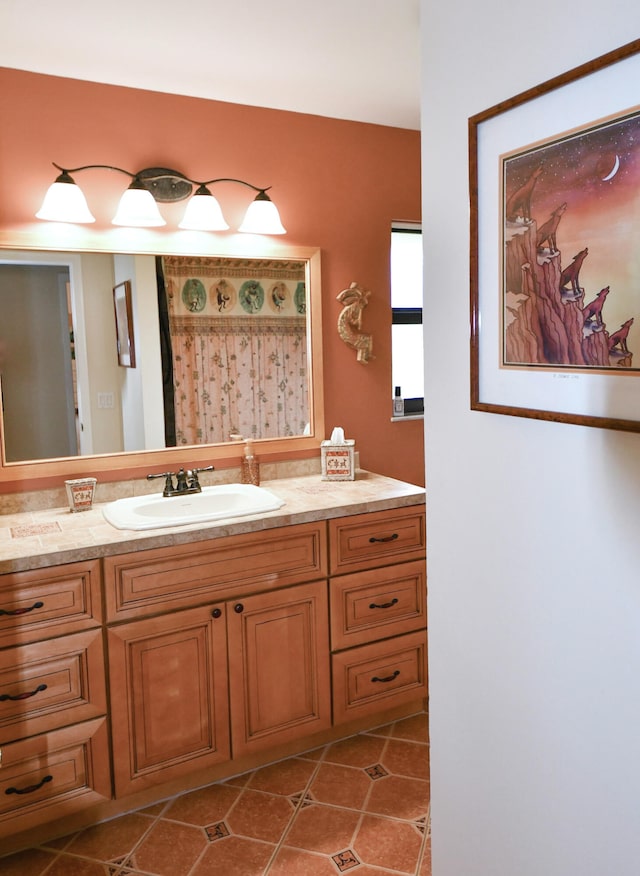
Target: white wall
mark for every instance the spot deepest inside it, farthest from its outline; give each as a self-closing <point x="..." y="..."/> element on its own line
<point x="141" y="387"/>
<point x="533" y="538"/>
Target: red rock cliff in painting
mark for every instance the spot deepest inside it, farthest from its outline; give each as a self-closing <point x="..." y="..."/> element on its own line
<point x="549" y="318"/>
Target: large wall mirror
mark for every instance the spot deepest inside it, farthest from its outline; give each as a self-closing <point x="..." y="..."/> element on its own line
<point x="120" y="361"/>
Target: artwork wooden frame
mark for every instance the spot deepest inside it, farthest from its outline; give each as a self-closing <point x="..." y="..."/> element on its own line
<point x="124" y="324"/>
<point x="555" y="270"/>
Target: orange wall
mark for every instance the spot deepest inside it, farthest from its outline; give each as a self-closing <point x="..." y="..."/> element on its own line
<point x="338" y="186"/>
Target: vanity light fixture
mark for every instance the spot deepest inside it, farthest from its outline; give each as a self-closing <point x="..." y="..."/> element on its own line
<point x="65" y="202"/>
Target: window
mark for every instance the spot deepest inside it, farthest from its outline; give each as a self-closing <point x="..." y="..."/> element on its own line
<point x="407" y="369"/>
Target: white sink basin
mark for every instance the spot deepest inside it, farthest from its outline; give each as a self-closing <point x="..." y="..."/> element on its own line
<point x="213" y="503"/>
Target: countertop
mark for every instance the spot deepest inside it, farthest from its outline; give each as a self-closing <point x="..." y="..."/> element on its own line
<point x="36" y="539"/>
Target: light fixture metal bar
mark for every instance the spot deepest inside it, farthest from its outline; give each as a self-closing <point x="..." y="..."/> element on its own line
<point x="167" y="186"/>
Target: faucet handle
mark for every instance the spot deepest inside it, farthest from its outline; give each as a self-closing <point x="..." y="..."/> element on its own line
<point x="168" y="484"/>
<point x="193" y="475"/>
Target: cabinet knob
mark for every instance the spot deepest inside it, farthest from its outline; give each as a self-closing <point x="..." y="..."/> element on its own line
<point x="238" y="608"/>
<point x="217" y="612"/>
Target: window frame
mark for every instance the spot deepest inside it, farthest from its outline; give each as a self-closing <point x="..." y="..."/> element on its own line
<point x="407" y="316"/>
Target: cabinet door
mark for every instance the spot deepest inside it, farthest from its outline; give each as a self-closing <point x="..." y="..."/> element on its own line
<point x="168" y="679"/>
<point x="279" y="666"/>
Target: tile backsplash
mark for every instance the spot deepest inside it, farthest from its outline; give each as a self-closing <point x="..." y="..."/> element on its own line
<point x="41" y="500"/>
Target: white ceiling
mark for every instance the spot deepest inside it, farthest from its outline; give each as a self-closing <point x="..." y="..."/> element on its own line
<point x="348" y="59"/>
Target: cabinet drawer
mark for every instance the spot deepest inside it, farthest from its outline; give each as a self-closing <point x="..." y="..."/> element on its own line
<point x="160" y="580"/>
<point x="51" y="684"/>
<point x="376" y="539"/>
<point x="44" y="602"/>
<point x="380" y="603"/>
<point x="53" y="775"/>
<point x="379" y="676"/>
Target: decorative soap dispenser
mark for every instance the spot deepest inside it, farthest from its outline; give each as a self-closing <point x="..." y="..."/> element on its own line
<point x="249" y="466"/>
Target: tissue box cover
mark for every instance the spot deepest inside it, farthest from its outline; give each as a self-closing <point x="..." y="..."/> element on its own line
<point x="338" y="462"/>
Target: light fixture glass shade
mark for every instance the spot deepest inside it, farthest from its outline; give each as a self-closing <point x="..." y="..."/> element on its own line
<point x="138" y="208"/>
<point x="203" y="213"/>
<point x="65" y="202"/>
<point x="262" y="217"/>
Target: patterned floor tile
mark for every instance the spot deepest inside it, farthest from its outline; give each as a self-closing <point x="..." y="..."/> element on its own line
<point x="358" y="751"/>
<point x="235" y="856"/>
<point x="285" y="777"/>
<point x="325" y="829"/>
<point x="260" y="816"/>
<point x="111" y="840"/>
<point x="404" y="758"/>
<point x="169" y="849"/>
<point x="399" y="797"/>
<point x="383" y="842"/>
<point x="294" y="862"/>
<point x="204" y="806"/>
<point x="340" y="785"/>
<point x="358" y="806"/>
<point x="32" y="862"/>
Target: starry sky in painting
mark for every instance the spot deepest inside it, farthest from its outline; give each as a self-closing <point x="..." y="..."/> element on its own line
<point x="574" y="168"/>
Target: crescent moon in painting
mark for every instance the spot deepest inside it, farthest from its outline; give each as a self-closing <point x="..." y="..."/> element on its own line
<point x="613" y="171"/>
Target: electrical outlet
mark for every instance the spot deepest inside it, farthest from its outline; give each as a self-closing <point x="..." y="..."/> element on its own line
<point x="105" y="400"/>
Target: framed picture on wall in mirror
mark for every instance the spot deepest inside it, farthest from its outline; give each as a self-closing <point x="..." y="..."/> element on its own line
<point x="554" y="177"/>
<point x="124" y="324"/>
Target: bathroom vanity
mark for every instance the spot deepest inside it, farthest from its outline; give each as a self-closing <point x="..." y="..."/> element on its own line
<point x="134" y="665"/>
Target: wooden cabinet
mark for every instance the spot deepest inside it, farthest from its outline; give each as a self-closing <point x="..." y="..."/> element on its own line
<point x="53" y="775"/>
<point x="378" y="614"/>
<point x="50" y="684"/>
<point x="173" y="710"/>
<point x="49" y="602"/>
<point x="221" y="654"/>
<point x="366" y="541"/>
<point x="54" y="750"/>
<point x="169" y="709"/>
<point x="279" y="667"/>
<point x="165" y="579"/>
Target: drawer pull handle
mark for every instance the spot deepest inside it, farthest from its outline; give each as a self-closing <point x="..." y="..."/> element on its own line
<point x="384" y="604"/>
<point x="216" y="613"/>
<point x="30" y="788"/>
<point x="17" y="611"/>
<point x="23" y="696"/>
<point x="388" y="678"/>
<point x="238" y="608"/>
<point x="374" y="540"/>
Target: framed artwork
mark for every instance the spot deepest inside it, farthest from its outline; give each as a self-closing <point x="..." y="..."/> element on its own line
<point x="555" y="248"/>
<point x="124" y="324"/>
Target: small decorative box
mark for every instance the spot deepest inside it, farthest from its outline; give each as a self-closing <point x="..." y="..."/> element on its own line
<point x="338" y="460"/>
<point x="80" y="492"/>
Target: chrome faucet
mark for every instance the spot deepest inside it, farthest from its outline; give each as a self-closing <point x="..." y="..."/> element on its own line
<point x="186" y="481"/>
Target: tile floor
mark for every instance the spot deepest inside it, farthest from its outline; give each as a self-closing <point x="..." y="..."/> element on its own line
<point x="358" y="806"/>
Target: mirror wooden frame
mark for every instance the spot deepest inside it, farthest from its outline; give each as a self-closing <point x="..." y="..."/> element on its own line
<point x="42" y="474"/>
